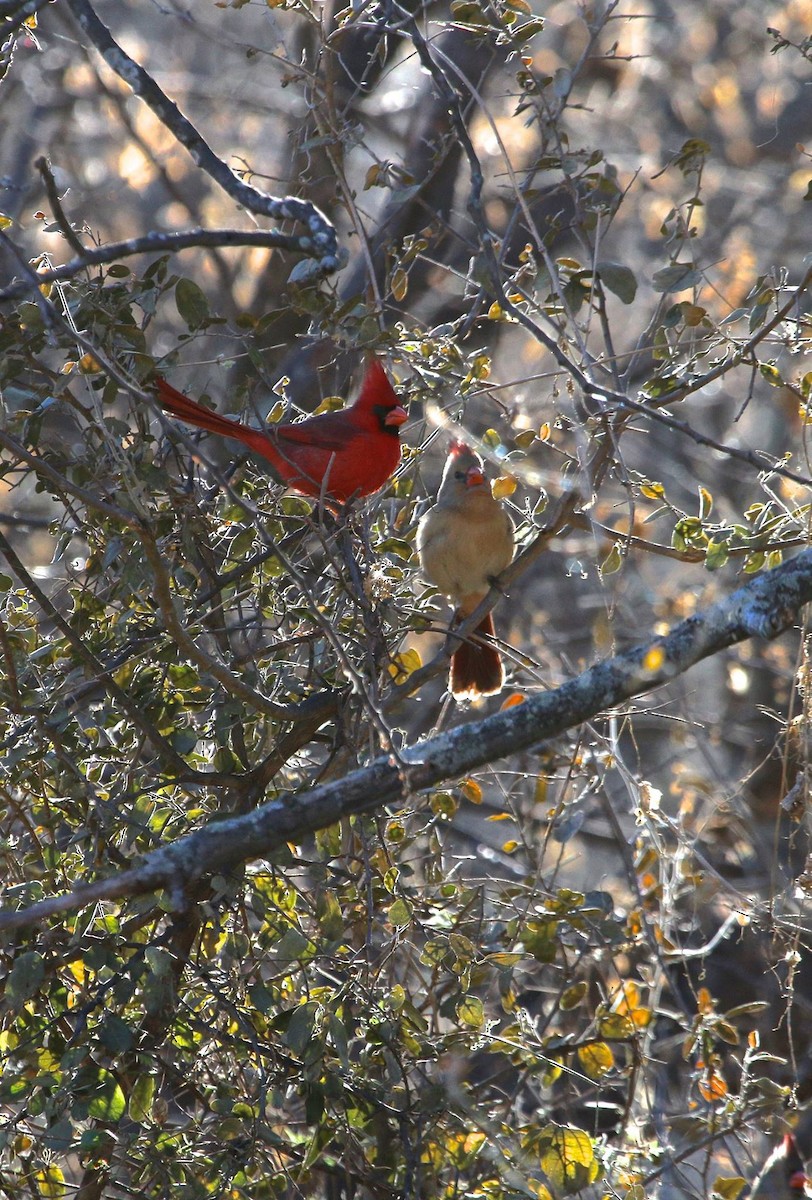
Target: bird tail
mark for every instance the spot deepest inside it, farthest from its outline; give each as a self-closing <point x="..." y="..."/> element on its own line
<point x="180" y="406"/>
<point x="476" y="668"/>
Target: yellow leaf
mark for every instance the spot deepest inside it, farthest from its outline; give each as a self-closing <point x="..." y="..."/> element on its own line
<point x="50" y="1183"/>
<point x="509" y="847"/>
<point x="729" y="1187"/>
<point x="654" y="491"/>
<point x="400" y="284"/>
<point x="5" y="222"/>
<point x="89" y="365"/>
<point x="471" y="791"/>
<point x="328" y="404"/>
<point x="596" y="1060"/>
<point x="404" y="664"/>
<point x="77" y="970"/>
<point x="504" y="486"/>
<point x="567" y="1158"/>
<point x="470" y="1011"/>
<point x="571" y="997"/>
<point x="705" y="503"/>
<point x="616" y="1026"/>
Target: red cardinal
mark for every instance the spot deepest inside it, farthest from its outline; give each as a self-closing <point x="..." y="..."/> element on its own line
<point x="464" y="541"/>
<point x="782" y="1177"/>
<point x="338" y="455"/>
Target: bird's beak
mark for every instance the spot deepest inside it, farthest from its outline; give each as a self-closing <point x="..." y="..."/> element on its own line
<point x="474" y="478"/>
<point x="396" y="416"/>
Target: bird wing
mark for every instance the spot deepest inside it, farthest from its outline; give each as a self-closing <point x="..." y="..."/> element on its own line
<point x="328" y="431"/>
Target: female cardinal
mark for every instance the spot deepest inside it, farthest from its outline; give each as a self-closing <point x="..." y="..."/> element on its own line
<point x="337" y="455"/>
<point x="464" y="541"/>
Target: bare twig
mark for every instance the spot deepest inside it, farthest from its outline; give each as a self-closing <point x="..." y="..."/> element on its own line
<point x="52" y="192"/>
<point x="320" y="241"/>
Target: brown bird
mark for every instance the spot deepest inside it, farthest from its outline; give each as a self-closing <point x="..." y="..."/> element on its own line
<point x="464" y="542"/>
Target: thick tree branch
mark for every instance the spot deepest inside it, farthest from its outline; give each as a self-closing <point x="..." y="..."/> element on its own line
<point x="153" y="242"/>
<point x="764" y="607"/>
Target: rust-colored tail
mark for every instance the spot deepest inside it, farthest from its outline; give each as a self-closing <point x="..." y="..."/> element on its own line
<point x="476" y="668"/>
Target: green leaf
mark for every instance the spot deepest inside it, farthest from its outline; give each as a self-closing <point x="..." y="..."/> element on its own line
<point x="471" y="1011"/>
<point x="25" y="977"/>
<point x="716" y="555"/>
<point x="115" y="1034"/>
<point x="676" y="278"/>
<point x="528" y="29"/>
<point x="771" y="373"/>
<point x="191" y="302"/>
<point x="619" y="279"/>
<point x="301" y="1026"/>
<point x="613" y="561"/>
<point x="106" y="1101"/>
<point x="573" y="995"/>
<point x="400" y="914"/>
<point x="141" y="1097"/>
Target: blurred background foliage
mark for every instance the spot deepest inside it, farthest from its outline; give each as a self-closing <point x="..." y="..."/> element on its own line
<point x="578" y="232"/>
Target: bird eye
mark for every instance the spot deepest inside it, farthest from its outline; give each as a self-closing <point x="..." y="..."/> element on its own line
<point x="460" y="474"/>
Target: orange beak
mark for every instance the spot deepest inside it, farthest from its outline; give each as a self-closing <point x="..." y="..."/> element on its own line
<point x="396" y="416"/>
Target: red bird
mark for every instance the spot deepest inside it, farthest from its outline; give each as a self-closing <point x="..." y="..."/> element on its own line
<point x="463" y="542"/>
<point x="783" y="1176"/>
<point x="337" y="455"/>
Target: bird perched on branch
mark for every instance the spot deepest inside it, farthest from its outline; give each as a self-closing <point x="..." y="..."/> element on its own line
<point x="464" y="542"/>
<point x="338" y="455"/>
<point x="783" y="1176"/>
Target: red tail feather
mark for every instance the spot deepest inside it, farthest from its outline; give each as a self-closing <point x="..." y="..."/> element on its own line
<point x="476" y="668"/>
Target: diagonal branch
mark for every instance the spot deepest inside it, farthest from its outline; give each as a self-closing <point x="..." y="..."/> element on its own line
<point x="320" y="241"/>
<point x="153" y="242"/>
<point x="764" y="607"/>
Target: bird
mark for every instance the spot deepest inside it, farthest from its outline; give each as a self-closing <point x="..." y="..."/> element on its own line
<point x="783" y="1174"/>
<point x="463" y="542"/>
<point x="338" y="456"/>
